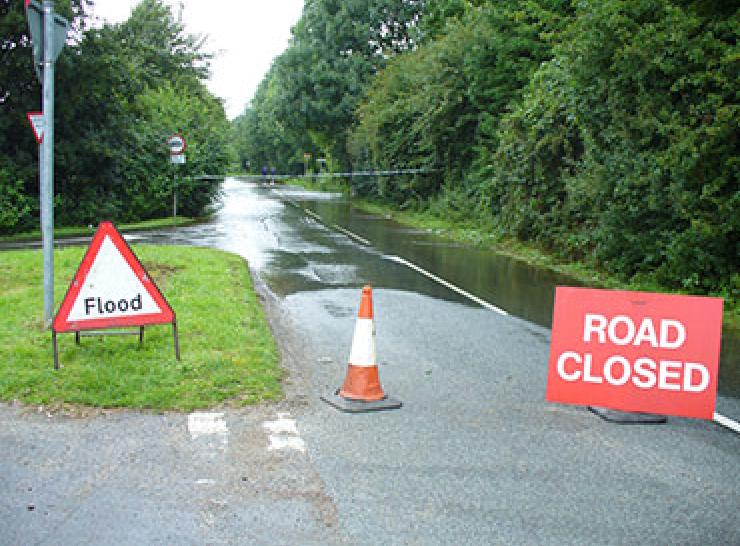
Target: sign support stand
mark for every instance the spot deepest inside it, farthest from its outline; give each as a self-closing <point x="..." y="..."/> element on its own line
<point x="140" y="333"/>
<point x="111" y="294"/>
<point x="176" y="338"/>
<point x="177" y="145"/>
<point x="625" y="417"/>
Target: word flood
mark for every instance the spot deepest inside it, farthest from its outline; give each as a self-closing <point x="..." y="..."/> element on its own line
<point x="109" y="306"/>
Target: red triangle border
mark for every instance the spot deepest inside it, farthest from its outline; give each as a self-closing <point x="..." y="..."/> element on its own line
<point x="61" y="320"/>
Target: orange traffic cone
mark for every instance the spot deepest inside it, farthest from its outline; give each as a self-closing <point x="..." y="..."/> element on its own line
<point x="361" y="390"/>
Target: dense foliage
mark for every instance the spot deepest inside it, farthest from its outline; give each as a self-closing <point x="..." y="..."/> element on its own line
<point x="307" y="101"/>
<point x="601" y="130"/>
<point x="121" y="90"/>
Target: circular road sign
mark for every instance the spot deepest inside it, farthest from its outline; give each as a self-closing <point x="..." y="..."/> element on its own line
<point x="176" y="143"/>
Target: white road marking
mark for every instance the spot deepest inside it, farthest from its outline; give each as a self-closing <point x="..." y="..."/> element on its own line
<point x="727" y="422"/>
<point x="282" y="443"/>
<point x="205" y="481"/>
<point x="283" y="425"/>
<point x="476" y="299"/>
<point x="206" y="424"/>
<point x="351" y="235"/>
<point x="284" y="434"/>
<point x="313" y="215"/>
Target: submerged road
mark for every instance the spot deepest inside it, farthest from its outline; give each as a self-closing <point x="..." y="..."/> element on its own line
<point x="475" y="456"/>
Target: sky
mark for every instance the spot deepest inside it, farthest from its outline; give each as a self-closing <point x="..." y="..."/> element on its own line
<point x="245" y="35"/>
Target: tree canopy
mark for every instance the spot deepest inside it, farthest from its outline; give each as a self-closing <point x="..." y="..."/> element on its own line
<point x="601" y="130"/>
<point x="121" y="90"/>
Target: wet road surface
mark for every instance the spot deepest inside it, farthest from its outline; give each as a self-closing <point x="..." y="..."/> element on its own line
<point x="475" y="456"/>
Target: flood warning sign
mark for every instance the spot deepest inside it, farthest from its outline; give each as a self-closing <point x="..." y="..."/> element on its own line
<point x="111" y="289"/>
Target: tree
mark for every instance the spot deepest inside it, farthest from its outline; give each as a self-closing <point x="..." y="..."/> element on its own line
<point x="20" y="93"/>
<point x="434" y="106"/>
<point x="121" y="90"/>
<point x="314" y="87"/>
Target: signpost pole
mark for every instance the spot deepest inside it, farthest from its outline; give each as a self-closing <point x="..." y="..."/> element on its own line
<point x="47" y="166"/>
<point x="176" y="143"/>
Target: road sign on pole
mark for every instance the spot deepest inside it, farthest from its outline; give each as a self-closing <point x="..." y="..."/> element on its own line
<point x="36" y="119"/>
<point x="35" y="17"/>
<point x="48" y="36"/>
<point x="177" y="145"/>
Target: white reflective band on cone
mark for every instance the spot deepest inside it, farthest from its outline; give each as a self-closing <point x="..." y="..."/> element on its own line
<point x="363" y="344"/>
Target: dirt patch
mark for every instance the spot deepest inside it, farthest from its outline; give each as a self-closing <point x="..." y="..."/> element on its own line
<point x="161" y="273"/>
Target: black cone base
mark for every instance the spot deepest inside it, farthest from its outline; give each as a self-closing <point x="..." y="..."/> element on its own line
<point x="358" y="406"/>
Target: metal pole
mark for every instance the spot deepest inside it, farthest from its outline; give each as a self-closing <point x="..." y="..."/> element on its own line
<point x="46" y="193"/>
<point x="174" y="194"/>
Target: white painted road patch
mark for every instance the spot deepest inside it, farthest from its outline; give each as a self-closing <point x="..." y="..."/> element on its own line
<point x="206" y="424"/>
<point x="283" y="434"/>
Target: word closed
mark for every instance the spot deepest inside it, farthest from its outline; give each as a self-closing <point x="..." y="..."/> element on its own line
<point x="635" y="351"/>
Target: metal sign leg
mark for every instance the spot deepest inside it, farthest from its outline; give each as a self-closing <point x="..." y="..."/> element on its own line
<point x="177" y="342"/>
<point x="56" y="351"/>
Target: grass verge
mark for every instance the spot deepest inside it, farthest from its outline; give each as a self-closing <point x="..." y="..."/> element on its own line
<point x="327" y="183"/>
<point x="81" y="231"/>
<point x="228" y="352"/>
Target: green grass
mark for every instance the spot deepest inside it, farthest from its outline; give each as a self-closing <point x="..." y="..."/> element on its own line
<point x="228" y="353"/>
<point x="81" y="231"/>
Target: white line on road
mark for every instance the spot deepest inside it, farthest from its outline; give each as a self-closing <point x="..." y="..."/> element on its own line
<point x="313" y="215"/>
<point x="347" y="232"/>
<point x="727" y="422"/>
<point x="351" y="235"/>
<point x="476" y="299"/>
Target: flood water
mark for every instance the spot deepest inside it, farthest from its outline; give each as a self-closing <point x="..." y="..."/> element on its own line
<point x="293" y="253"/>
<point x="520" y="289"/>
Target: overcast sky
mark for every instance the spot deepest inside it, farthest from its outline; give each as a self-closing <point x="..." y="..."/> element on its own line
<point x="246" y="35"/>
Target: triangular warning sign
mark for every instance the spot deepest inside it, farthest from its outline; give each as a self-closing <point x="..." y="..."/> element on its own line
<point x="36" y="119"/>
<point x="111" y="289"/>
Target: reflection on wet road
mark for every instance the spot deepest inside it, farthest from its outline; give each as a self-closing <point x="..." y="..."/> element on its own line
<point x="294" y="252"/>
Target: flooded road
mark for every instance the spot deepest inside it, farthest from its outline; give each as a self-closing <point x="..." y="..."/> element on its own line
<point x="475" y="455"/>
<point x="293" y="252"/>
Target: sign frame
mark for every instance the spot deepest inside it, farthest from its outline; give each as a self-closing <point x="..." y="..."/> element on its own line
<point x="97" y="326"/>
<point x="635" y="351"/>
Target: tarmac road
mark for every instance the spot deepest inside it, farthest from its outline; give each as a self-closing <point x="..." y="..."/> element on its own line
<point x="475" y="456"/>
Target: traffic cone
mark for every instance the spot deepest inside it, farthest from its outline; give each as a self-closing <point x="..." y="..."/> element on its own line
<point x="361" y="390"/>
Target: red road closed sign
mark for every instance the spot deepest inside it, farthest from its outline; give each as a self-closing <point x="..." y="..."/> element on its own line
<point x="635" y="351"/>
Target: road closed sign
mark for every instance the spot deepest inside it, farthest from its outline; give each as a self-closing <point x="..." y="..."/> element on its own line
<point x="111" y="289"/>
<point x="635" y="351"/>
